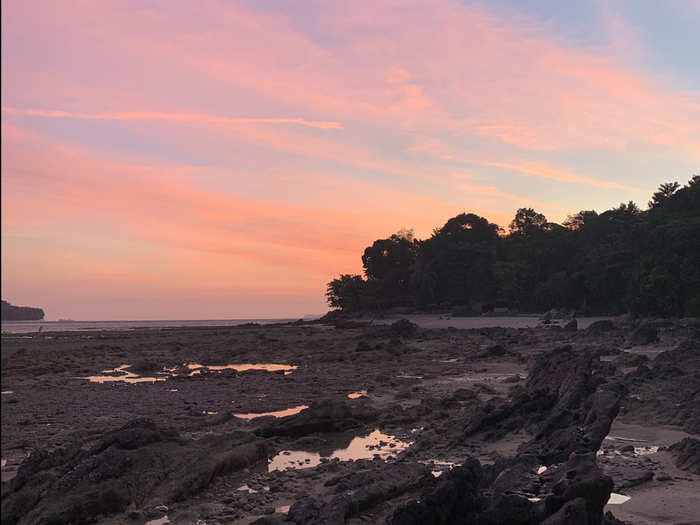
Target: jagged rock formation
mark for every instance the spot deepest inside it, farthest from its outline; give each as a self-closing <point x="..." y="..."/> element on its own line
<point x="129" y="468"/>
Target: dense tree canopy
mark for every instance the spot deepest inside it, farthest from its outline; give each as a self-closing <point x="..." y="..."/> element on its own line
<point x="624" y="259"/>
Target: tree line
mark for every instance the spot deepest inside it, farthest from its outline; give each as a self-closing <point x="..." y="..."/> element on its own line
<point x="625" y="259"/>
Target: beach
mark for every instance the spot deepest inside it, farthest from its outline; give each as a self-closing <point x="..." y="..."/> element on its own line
<point x="311" y="411"/>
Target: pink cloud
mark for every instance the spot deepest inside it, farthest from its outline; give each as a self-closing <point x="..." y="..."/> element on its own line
<point x="173" y="117"/>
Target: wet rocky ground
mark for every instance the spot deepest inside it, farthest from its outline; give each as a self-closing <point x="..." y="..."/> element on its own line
<point x="316" y="423"/>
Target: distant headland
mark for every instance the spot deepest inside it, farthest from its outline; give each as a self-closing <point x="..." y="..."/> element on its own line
<point x="21" y="313"/>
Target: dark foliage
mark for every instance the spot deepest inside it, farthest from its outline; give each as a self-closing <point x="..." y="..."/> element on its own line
<point x="622" y="260"/>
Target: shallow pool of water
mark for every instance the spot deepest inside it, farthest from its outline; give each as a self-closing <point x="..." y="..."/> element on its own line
<point x="358" y="394"/>
<point x="278" y="413"/>
<point x="195" y="368"/>
<point x="366" y="447"/>
<point x="122" y="375"/>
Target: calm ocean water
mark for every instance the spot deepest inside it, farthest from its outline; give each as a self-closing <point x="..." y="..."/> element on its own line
<point x="26" y="327"/>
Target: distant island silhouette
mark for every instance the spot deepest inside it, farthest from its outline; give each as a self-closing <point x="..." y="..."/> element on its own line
<point x="21" y="313"/>
<point x="645" y="262"/>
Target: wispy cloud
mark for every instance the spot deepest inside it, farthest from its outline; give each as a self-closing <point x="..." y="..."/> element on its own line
<point x="172" y="117"/>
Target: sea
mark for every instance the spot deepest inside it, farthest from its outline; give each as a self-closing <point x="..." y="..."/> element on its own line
<point x="29" y="327"/>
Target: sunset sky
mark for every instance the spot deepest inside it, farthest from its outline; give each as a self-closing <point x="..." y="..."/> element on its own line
<point x="221" y="159"/>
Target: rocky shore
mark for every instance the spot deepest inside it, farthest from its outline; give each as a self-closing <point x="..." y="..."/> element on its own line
<point x="561" y="423"/>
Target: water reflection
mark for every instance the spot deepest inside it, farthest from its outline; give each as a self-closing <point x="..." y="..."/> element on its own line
<point x="196" y="368"/>
<point x="278" y="413"/>
<point x="122" y="374"/>
<point x="358" y="394"/>
<point x="375" y="444"/>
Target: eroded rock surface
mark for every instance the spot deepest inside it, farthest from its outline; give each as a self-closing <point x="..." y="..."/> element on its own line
<point x="130" y="467"/>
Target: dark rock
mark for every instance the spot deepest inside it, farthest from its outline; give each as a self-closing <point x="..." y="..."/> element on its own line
<point x="510" y="508"/>
<point x="642" y="476"/>
<point x="144" y="367"/>
<point x="644" y="335"/>
<point x="572" y="513"/>
<point x="451" y="498"/>
<point x="566" y="403"/>
<point x="131" y="466"/>
<point x="571" y="326"/>
<point x="495" y="351"/>
<point x="363" y="346"/>
<point x="304" y="511"/>
<point x="404" y="328"/>
<point x="599" y="327"/>
<point x="628" y="360"/>
<point x="687" y="454"/>
<point x="358" y="492"/>
<point x="326" y="415"/>
<point x="464" y="394"/>
<point x="581" y="479"/>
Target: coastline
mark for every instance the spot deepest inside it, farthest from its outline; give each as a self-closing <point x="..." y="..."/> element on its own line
<point x="420" y="386"/>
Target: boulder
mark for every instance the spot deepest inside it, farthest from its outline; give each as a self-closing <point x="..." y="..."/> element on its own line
<point x="599" y="327"/>
<point x="326" y="415"/>
<point x="571" y="326"/>
<point x="687" y="454"/>
<point x="451" y="498"/>
<point x="644" y="334"/>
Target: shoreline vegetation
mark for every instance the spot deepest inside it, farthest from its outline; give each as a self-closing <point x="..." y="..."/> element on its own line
<point x="624" y="260"/>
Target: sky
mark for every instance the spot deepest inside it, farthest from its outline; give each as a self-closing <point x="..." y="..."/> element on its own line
<point x="168" y="159"/>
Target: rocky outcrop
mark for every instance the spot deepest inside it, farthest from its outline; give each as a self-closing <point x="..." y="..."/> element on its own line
<point x="327" y="415"/>
<point x="573" y="492"/>
<point x="667" y="390"/>
<point x="568" y="404"/>
<point x="451" y="498"/>
<point x="644" y="334"/>
<point x="21" y="313"/>
<point x="687" y="454"/>
<point x="600" y="327"/>
<point x="130" y="467"/>
<point x="355" y="494"/>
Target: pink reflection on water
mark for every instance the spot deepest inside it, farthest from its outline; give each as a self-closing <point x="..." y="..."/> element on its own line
<point x="195" y="368"/>
<point x="366" y="447"/>
<point x="358" y="394"/>
<point x="124" y="375"/>
<point x="278" y="413"/>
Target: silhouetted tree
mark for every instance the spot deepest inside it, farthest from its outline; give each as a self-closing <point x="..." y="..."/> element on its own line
<point x="525" y="220"/>
<point x="623" y="259"/>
